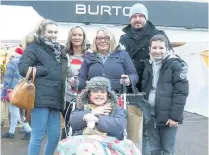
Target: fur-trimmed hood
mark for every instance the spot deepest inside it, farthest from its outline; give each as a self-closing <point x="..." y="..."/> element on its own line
<point x="97" y="83"/>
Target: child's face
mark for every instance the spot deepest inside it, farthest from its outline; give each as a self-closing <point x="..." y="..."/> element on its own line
<point x="158" y="49"/>
<point x="98" y="97"/>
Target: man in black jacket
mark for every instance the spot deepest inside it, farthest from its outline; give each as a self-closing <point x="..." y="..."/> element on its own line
<point x="137" y="36"/>
<point x="166" y="86"/>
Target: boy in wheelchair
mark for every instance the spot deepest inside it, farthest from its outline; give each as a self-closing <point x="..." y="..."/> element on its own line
<point x="98" y="123"/>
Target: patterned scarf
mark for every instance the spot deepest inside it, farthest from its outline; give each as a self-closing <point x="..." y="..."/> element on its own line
<point x="103" y="57"/>
<point x="54" y="45"/>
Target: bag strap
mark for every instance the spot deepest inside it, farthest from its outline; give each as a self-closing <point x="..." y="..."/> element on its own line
<point x="28" y="73"/>
<point x="34" y="73"/>
<point x="28" y="112"/>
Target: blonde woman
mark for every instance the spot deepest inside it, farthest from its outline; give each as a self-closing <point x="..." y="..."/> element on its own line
<point x="107" y="60"/>
<point x="73" y="56"/>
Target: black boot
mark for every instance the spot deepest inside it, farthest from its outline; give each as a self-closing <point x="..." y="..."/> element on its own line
<point x="26" y="136"/>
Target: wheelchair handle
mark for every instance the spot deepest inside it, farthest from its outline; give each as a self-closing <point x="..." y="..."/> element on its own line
<point x="124" y="84"/>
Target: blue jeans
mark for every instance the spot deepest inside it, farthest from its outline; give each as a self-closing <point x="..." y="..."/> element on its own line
<point x="161" y="139"/>
<point x="44" y="122"/>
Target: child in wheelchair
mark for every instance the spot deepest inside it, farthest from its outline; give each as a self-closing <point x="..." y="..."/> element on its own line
<point x="98" y="123"/>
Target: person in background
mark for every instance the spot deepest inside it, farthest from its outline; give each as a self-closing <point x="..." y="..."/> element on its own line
<point x="166" y="86"/>
<point x="12" y="77"/>
<point x="107" y="60"/>
<point x="44" y="53"/>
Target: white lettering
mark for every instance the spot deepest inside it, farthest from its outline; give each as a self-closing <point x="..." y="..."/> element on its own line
<point x="93" y="13"/>
<point x="124" y="11"/>
<point x="80" y="9"/>
<point x="116" y="9"/>
<point x="104" y="10"/>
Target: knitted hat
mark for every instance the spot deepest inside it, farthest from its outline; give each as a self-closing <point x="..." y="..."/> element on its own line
<point x="99" y="83"/>
<point x="19" y="50"/>
<point x="138" y="8"/>
<point x="96" y="83"/>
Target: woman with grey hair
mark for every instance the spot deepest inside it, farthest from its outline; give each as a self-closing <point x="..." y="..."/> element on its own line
<point x="44" y="53"/>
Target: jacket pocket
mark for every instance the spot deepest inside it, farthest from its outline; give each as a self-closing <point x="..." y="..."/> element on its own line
<point x="48" y="88"/>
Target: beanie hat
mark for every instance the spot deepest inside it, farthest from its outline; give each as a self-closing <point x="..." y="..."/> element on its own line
<point x="138" y="8"/>
<point x="19" y="50"/>
<point x="96" y="83"/>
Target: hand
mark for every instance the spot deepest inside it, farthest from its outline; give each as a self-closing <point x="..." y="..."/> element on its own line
<point x="90" y="118"/>
<point x="74" y="82"/>
<point x="127" y="80"/>
<point x="89" y="50"/>
<point x="172" y="123"/>
<point x="102" y="110"/>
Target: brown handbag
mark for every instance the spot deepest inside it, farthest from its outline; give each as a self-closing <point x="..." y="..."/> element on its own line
<point x="23" y="95"/>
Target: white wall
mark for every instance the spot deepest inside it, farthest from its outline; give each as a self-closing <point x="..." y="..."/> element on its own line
<point x="197" y="101"/>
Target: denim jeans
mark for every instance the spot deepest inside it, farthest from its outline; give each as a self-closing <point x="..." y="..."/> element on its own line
<point x="44" y="122"/>
<point x="161" y="139"/>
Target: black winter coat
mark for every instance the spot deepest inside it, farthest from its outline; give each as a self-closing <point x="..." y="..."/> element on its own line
<point x="48" y="76"/>
<point x="139" y="49"/>
<point x="172" y="89"/>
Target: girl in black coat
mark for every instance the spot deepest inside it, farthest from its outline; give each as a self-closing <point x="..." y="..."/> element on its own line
<point x="44" y="53"/>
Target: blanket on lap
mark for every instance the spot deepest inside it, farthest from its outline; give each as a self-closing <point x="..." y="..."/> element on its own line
<point x="96" y="145"/>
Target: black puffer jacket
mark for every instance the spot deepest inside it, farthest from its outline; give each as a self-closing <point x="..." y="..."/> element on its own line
<point x="139" y="49"/>
<point x="172" y="89"/>
<point x="48" y="77"/>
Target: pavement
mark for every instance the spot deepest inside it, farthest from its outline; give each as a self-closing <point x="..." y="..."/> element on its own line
<point x="192" y="138"/>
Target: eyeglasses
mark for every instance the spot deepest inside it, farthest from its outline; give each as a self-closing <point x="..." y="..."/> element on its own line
<point x="106" y="39"/>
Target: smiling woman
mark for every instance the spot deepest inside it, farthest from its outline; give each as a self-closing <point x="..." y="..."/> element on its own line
<point x="74" y="52"/>
<point x="44" y="53"/>
<point x="107" y="60"/>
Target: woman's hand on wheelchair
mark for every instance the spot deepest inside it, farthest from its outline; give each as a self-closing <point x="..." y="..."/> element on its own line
<point x="125" y="78"/>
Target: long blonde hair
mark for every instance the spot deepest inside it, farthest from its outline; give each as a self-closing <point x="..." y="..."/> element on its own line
<point x="107" y="33"/>
<point x="69" y="40"/>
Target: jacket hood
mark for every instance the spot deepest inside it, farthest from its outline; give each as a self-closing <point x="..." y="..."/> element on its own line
<point x="173" y="57"/>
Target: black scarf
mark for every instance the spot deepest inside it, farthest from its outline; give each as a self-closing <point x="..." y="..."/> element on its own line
<point x="139" y="32"/>
<point x="54" y="45"/>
